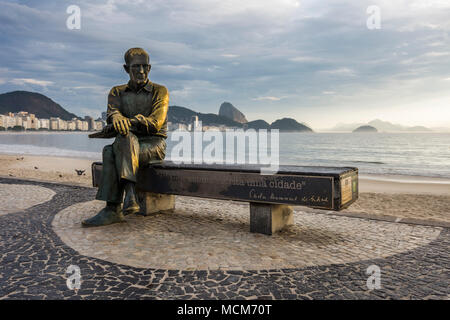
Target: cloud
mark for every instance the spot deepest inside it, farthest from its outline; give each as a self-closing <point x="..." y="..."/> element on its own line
<point x="339" y="71"/>
<point x="185" y="92"/>
<point x="176" y="68"/>
<point x="267" y="98"/>
<point x="305" y="59"/>
<point x="42" y="83"/>
<point x="437" y="54"/>
<point x="206" y="52"/>
<point x="229" y="55"/>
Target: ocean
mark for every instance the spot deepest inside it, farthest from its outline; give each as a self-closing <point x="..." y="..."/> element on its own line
<point x="413" y="154"/>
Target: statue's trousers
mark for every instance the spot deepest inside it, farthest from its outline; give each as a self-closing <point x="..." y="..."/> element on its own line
<point x="121" y="162"/>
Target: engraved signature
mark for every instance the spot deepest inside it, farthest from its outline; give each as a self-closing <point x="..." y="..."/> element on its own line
<point x="315" y="199"/>
<point x="253" y="194"/>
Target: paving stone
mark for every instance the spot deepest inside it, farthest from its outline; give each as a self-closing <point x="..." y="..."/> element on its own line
<point x="197" y="241"/>
<point x="25" y="196"/>
<point x="34" y="259"/>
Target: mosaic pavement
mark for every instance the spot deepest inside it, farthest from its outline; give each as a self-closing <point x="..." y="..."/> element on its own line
<point x="203" y="250"/>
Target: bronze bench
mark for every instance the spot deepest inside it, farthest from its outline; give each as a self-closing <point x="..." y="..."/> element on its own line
<point x="270" y="196"/>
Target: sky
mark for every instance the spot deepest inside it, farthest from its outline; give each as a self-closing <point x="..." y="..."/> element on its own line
<point x="315" y="61"/>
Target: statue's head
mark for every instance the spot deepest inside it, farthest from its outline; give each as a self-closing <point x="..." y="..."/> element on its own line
<point x="137" y="65"/>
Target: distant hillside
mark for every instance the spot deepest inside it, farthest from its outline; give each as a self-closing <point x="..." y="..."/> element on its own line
<point x="386" y="126"/>
<point x="288" y="124"/>
<point x="32" y="102"/>
<point x="179" y="114"/>
<point x="418" y="129"/>
<point x="440" y="129"/>
<point x="258" y="124"/>
<point x="184" y="115"/>
<point x="381" y="126"/>
<point x="346" y="126"/>
<point x="229" y="111"/>
<point x="211" y="119"/>
<point x="365" y="129"/>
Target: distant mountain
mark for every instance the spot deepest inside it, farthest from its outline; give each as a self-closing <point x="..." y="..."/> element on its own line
<point x="365" y="129"/>
<point x="289" y="124"/>
<point x="418" y="129"/>
<point x="386" y="126"/>
<point x="346" y="126"/>
<point x="32" y="102"/>
<point x="177" y="114"/>
<point x="211" y="119"/>
<point x="440" y="129"/>
<point x="381" y="126"/>
<point x="258" y="124"/>
<point x="184" y="115"/>
<point x="229" y="111"/>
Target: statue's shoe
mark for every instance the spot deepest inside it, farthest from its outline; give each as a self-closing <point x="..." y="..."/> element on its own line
<point x="130" y="206"/>
<point x="106" y="216"/>
<point x="130" y="203"/>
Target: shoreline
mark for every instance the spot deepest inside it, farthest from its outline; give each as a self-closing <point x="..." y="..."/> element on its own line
<point x="49" y="165"/>
<point x="390" y="197"/>
<point x="400" y="178"/>
<point x="402" y="184"/>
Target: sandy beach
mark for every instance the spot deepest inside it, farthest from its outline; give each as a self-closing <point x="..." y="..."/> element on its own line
<point x="409" y="197"/>
<point x="54" y="169"/>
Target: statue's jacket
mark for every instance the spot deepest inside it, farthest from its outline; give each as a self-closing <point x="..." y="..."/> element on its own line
<point x="149" y="106"/>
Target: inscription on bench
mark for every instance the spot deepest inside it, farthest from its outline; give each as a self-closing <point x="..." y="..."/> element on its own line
<point x="312" y="191"/>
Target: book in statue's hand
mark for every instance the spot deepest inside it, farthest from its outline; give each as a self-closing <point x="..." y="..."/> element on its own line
<point x="106" y="133"/>
<point x="109" y="132"/>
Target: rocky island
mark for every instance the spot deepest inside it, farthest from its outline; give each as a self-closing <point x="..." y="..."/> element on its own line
<point x="365" y="129"/>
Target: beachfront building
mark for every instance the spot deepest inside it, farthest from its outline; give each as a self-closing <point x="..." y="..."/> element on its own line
<point x="195" y="124"/>
<point x="34" y="123"/>
<point x="62" y="124"/>
<point x="7" y="121"/>
<point x="58" y="124"/>
<point x="54" y="124"/>
<point x="18" y="122"/>
<point x="78" y="124"/>
<point x="27" y="121"/>
<point x="99" y="125"/>
<point x="177" y="126"/>
<point x="24" y="119"/>
<point x="2" y="121"/>
<point x="71" y="125"/>
<point x="44" y="124"/>
<point x="91" y="123"/>
<point x="211" y="128"/>
<point x="81" y="125"/>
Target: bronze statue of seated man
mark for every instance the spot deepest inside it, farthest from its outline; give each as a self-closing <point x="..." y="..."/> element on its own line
<point x="137" y="116"/>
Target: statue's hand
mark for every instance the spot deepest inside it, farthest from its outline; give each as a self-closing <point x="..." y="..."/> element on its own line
<point x="121" y="124"/>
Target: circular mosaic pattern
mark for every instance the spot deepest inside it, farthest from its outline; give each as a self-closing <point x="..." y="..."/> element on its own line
<point x="214" y="235"/>
<point x="19" y="197"/>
